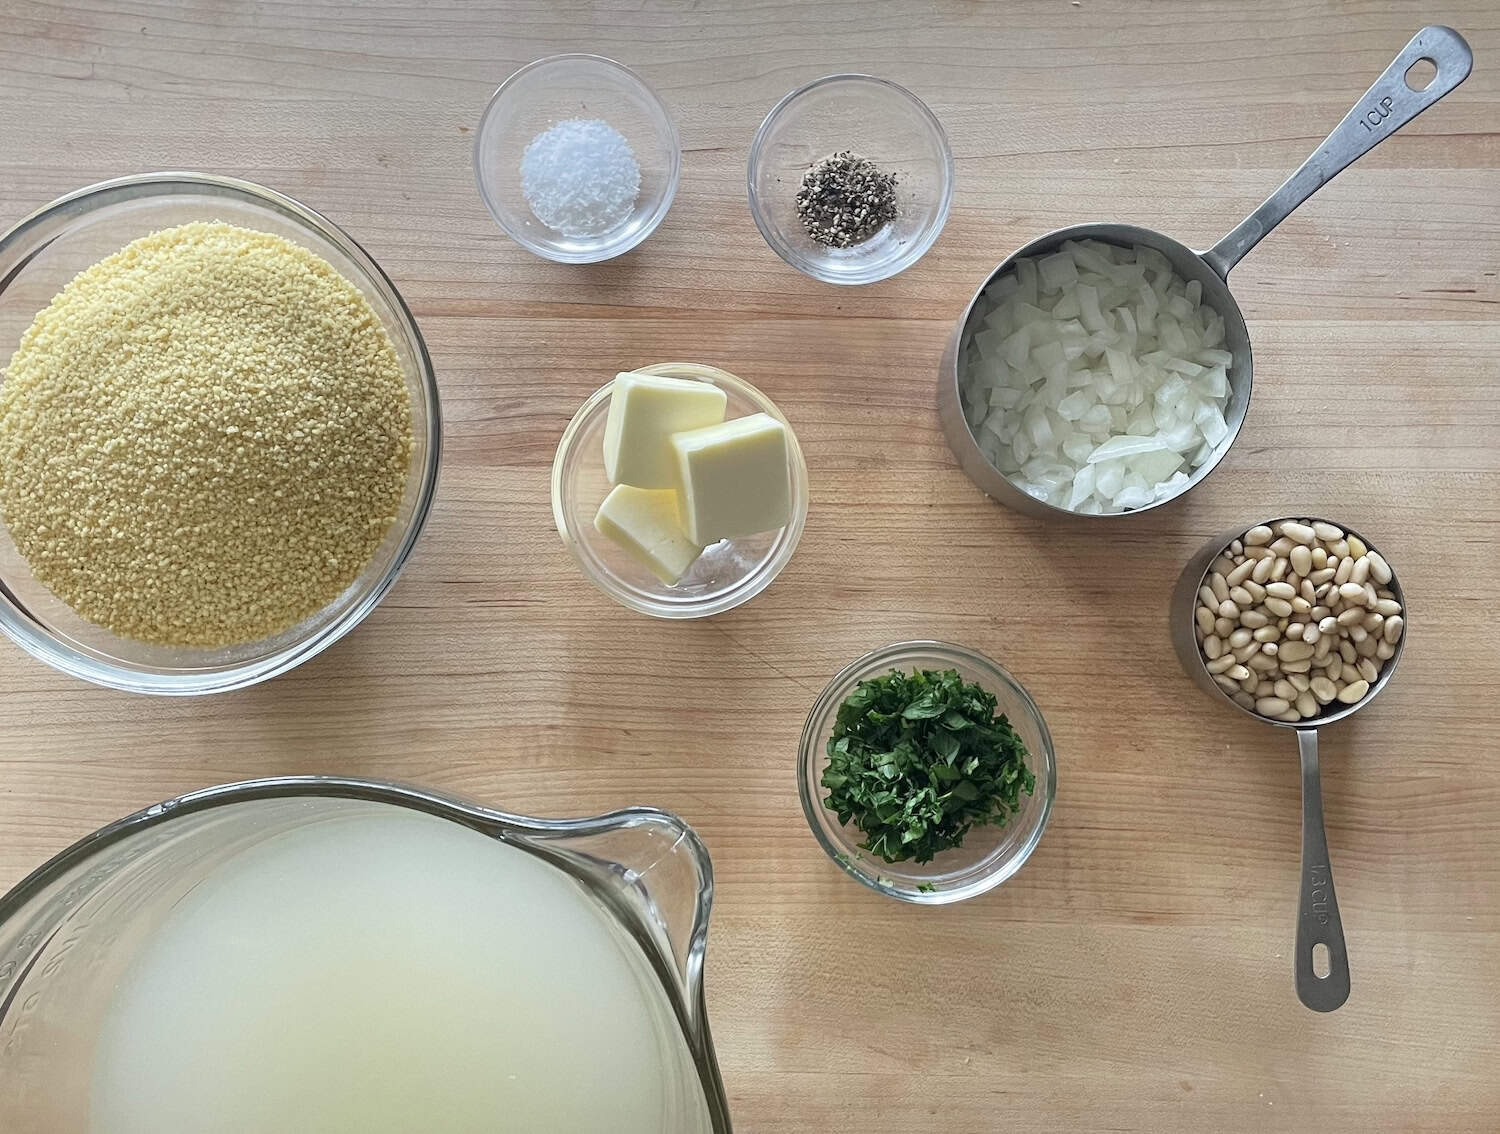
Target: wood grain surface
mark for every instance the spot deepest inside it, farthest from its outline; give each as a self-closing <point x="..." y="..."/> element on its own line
<point x="1136" y="975"/>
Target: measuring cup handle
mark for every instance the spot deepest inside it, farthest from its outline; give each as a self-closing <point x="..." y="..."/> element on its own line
<point x="1318" y="920"/>
<point x="1386" y="107"/>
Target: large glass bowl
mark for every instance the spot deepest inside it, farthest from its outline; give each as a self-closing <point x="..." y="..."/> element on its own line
<point x="729" y="572"/>
<point x="989" y="855"/>
<point x="552" y="90"/>
<point x="45" y="251"/>
<point x="872" y="117"/>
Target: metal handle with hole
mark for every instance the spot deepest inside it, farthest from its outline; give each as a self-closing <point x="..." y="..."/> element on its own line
<point x="1386" y="107"/>
<point x="1318" y="920"/>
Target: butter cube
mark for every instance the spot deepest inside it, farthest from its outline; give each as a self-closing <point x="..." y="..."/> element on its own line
<point x="644" y="412"/>
<point x="647" y="524"/>
<point x="733" y="478"/>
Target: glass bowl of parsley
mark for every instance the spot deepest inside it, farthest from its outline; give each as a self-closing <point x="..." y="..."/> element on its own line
<point x="927" y="772"/>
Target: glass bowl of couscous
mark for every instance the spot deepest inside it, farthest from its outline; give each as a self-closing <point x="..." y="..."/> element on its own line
<point x="219" y="433"/>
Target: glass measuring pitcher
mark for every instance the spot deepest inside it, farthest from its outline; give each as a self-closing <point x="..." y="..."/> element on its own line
<point x="106" y="983"/>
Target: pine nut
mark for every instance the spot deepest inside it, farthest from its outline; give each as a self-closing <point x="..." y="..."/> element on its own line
<point x="1343" y="571"/>
<point x="1254" y="619"/>
<point x="1291" y="716"/>
<point x="1387" y="606"/>
<point x="1285" y="690"/>
<point x="1300" y="682"/>
<point x="1266" y="634"/>
<point x="1349" y="617"/>
<point x="1299" y="532"/>
<point x="1295" y="631"/>
<point x="1367" y="669"/>
<point x="1225" y="684"/>
<point x="1261" y="572"/>
<point x="1238" y="575"/>
<point x="1264" y="688"/>
<point x="1349" y="693"/>
<point x="1271" y="706"/>
<point x="1351" y="592"/>
<point x="1236" y="547"/>
<point x="1246" y="652"/>
<point x="1384" y="651"/>
<point x="1326" y="531"/>
<point x="1392" y="628"/>
<point x="1221" y="663"/>
<point x="1321" y="576"/>
<point x="1311" y="634"/>
<point x="1320" y="557"/>
<point x="1295" y="651"/>
<point x="1239" y="638"/>
<point x="1307" y="704"/>
<point x="1223" y="627"/>
<point x="1328" y="625"/>
<point x="1249" y="683"/>
<point x="1279" y="607"/>
<point x="1361" y="570"/>
<point x="1257" y="535"/>
<point x="1323" y="647"/>
<point x="1205" y="619"/>
<point x="1227" y="609"/>
<point x="1346" y="651"/>
<point x="1357" y="634"/>
<point x="1283" y="545"/>
<point x="1259" y="553"/>
<point x="1301" y="606"/>
<point x="1357" y="546"/>
<point x="1366" y="649"/>
<point x="1244" y="700"/>
<point x="1262" y="662"/>
<point x="1257" y="592"/>
<point x="1380" y="570"/>
<point x="1371" y="598"/>
<point x="1302" y="665"/>
<point x="1373" y="621"/>
<point x="1279" y="568"/>
<point x="1237" y="673"/>
<point x="1212" y="647"/>
<point x="1308" y="591"/>
<point x="1339" y="548"/>
<point x="1324" y="690"/>
<point x="1301" y="559"/>
<point x="1241" y="597"/>
<point x="1281" y="590"/>
<point x="1219" y="587"/>
<point x="1223" y="565"/>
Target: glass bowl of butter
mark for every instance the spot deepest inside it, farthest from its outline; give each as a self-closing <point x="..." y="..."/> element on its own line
<point x="706" y="459"/>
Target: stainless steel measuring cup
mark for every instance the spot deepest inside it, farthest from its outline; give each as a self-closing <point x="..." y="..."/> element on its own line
<point x="1318" y="921"/>
<point x="1386" y="107"/>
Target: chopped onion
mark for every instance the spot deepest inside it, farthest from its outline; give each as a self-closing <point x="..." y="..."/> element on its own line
<point x="1095" y="377"/>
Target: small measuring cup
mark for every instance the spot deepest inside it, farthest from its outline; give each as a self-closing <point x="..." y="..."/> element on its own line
<point x="1318" y="921"/>
<point x="1386" y="107"/>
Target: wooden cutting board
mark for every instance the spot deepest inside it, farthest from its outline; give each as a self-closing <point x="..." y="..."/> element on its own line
<point x="1136" y="975"/>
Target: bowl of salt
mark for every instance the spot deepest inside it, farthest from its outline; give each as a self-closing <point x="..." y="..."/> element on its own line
<point x="577" y="158"/>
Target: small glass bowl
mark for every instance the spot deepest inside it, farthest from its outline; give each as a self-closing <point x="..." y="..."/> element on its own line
<point x="46" y="250"/>
<point x="989" y="855"/>
<point x="552" y="90"/>
<point x="872" y="117"/>
<point x="728" y="573"/>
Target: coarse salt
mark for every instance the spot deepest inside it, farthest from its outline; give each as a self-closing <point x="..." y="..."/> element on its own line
<point x="580" y="177"/>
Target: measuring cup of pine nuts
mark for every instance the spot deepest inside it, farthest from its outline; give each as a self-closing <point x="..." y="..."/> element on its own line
<point x="1300" y="623"/>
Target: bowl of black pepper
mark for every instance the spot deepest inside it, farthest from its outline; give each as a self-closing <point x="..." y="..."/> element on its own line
<point x="850" y="179"/>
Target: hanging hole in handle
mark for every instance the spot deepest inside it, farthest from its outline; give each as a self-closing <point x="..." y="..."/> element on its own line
<point x="1322" y="965"/>
<point x="1420" y="74"/>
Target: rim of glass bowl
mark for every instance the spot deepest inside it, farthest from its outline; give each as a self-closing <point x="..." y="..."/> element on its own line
<point x="916" y="250"/>
<point x="748" y="587"/>
<point x="811" y="758"/>
<point x="604" y="251"/>
<point x="35" y="639"/>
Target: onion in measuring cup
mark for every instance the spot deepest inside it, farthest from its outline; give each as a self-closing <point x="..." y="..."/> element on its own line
<point x="1097" y="378"/>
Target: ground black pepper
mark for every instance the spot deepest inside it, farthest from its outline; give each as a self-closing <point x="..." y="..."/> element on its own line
<point x="845" y="199"/>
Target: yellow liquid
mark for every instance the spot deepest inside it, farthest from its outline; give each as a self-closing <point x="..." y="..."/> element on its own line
<point x="387" y="971"/>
